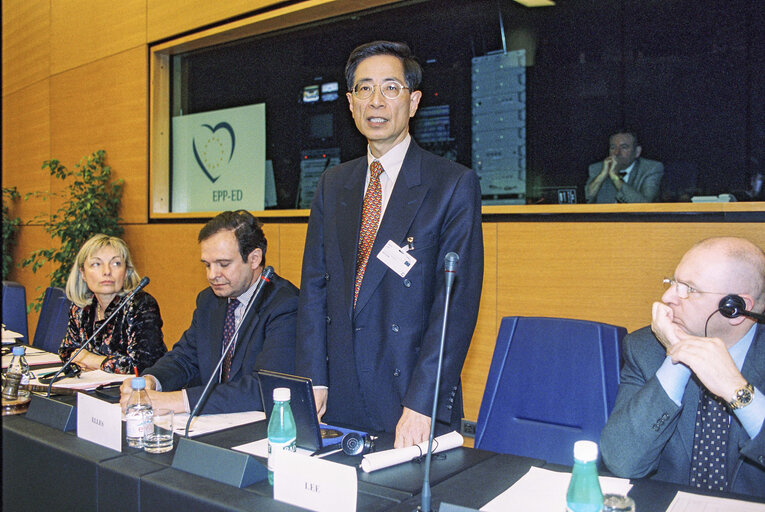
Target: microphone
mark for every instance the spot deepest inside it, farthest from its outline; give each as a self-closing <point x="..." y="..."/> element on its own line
<point x="141" y="285"/>
<point x="265" y="277"/>
<point x="450" y="272"/>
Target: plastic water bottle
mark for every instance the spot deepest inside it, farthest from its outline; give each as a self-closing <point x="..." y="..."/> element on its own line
<point x="282" y="432"/>
<point x="138" y="413"/>
<point x="19" y="365"/>
<point x="584" y="494"/>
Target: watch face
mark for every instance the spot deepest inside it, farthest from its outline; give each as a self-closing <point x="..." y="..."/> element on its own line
<point x="744" y="396"/>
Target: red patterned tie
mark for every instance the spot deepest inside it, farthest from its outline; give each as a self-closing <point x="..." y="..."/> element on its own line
<point x="228" y="331"/>
<point x="370" y="219"/>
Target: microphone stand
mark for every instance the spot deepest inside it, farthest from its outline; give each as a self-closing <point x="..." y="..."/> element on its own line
<point x="450" y="269"/>
<point x="140" y="286"/>
<point x="265" y="277"/>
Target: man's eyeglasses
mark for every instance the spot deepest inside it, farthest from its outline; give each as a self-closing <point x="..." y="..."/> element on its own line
<point x="391" y="89"/>
<point x="684" y="290"/>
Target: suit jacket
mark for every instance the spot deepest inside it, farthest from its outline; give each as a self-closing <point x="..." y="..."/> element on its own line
<point x="383" y="355"/>
<point x="266" y="340"/>
<point x="649" y="435"/>
<point x="643" y="185"/>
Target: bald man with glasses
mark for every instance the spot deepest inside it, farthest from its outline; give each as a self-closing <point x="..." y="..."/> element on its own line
<point x="690" y="407"/>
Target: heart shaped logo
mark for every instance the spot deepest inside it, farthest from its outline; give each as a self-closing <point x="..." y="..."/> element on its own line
<point x="214" y="151"/>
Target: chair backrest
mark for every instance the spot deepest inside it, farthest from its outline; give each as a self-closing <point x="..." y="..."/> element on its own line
<point x="15" y="308"/>
<point x="54" y="317"/>
<point x="552" y="382"/>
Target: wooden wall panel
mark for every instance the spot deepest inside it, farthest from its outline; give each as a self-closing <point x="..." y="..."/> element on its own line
<point x="26" y="43"/>
<point x="169" y="255"/>
<point x="104" y="105"/>
<point x="482" y="346"/>
<point x="168" y="18"/>
<point x="607" y="272"/>
<point x="83" y="31"/>
<point x="26" y="144"/>
<point x="292" y="238"/>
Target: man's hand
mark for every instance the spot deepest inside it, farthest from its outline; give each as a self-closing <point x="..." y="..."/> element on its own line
<point x="412" y="428"/>
<point x="320" y="397"/>
<point x="710" y="361"/>
<point x="662" y="325"/>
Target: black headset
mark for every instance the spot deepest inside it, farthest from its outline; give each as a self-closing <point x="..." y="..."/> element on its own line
<point x="734" y="306"/>
<point x="357" y="444"/>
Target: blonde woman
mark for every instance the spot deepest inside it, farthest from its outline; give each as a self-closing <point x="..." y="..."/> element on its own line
<point x="101" y="277"/>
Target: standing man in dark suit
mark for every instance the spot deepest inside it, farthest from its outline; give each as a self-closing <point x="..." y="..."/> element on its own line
<point x="624" y="177"/>
<point x="372" y="297"/>
<point x="697" y="361"/>
<point x="234" y="253"/>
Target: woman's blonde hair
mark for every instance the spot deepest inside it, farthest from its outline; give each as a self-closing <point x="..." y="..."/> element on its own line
<point x="77" y="289"/>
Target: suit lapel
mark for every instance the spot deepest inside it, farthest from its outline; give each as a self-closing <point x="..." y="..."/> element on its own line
<point x="687" y="421"/>
<point x="403" y="205"/>
<point x="351" y="201"/>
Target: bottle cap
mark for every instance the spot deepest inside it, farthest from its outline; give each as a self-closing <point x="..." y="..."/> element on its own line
<point x="138" y="383"/>
<point x="281" y="394"/>
<point x="585" y="451"/>
<point x="18" y="350"/>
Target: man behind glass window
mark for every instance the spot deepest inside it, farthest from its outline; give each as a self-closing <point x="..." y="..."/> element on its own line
<point x="624" y="177"/>
<point x="694" y="360"/>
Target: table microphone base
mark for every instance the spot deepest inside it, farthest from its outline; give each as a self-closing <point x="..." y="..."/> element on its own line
<point x="55" y="414"/>
<point x="225" y="466"/>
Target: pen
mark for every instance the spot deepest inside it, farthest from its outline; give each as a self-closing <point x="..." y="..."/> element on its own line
<point x="135" y="369"/>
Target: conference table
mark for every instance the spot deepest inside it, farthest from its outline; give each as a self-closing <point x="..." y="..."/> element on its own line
<point x="47" y="469"/>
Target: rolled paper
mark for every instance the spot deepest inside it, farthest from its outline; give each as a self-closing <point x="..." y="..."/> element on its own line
<point x="379" y="460"/>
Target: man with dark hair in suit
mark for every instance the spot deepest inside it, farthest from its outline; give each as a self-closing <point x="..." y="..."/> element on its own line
<point x="372" y="288"/>
<point x="624" y="177"/>
<point x="690" y="407"/>
<point x="233" y="250"/>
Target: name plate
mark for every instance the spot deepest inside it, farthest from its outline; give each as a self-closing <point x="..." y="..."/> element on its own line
<point x="99" y="422"/>
<point x="314" y="483"/>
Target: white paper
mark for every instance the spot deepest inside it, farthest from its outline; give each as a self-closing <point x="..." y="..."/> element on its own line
<point x="379" y="460"/>
<point x="99" y="422"/>
<point x="207" y="423"/>
<point x="259" y="448"/>
<point x="542" y="490"/>
<point x="687" y="502"/>
<point x="10" y="336"/>
<point x="86" y="380"/>
<point x="35" y="357"/>
<point x="314" y="483"/>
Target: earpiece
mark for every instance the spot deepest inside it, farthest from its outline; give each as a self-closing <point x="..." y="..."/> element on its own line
<point x="732" y="306"/>
<point x="357" y="444"/>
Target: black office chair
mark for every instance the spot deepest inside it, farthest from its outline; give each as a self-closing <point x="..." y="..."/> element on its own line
<point x="54" y="317"/>
<point x="15" y="309"/>
<point x="552" y="382"/>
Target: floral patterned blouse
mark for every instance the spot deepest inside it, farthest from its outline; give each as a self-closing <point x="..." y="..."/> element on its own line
<point x="133" y="339"/>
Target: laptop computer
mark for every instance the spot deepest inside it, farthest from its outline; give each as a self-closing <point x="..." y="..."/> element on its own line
<point x="310" y="434"/>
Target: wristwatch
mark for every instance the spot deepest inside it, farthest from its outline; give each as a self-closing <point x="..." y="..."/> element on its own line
<point x="743" y="397"/>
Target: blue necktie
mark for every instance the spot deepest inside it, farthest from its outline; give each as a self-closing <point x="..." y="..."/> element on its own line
<point x="710" y="444"/>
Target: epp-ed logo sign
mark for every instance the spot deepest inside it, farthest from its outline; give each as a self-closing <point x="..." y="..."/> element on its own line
<point x="214" y="150"/>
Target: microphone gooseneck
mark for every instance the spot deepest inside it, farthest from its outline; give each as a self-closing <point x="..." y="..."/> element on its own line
<point x="265" y="277"/>
<point x="450" y="272"/>
<point x="140" y="286"/>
